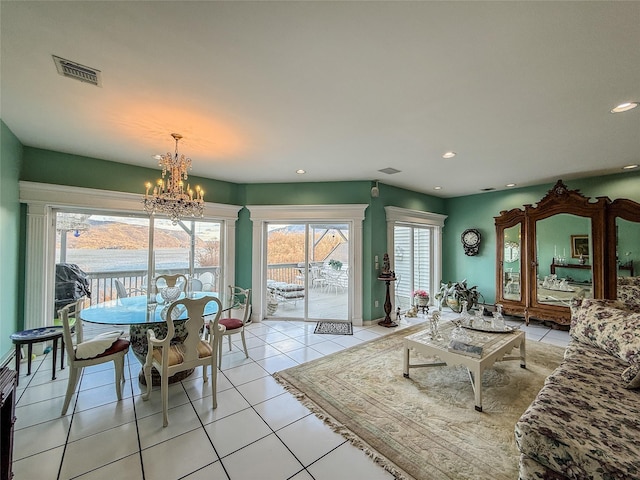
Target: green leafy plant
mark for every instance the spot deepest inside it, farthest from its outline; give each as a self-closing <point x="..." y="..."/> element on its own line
<point x="335" y="264"/>
<point x="453" y="294"/>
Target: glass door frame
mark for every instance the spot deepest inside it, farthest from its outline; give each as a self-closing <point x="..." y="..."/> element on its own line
<point x="353" y="214"/>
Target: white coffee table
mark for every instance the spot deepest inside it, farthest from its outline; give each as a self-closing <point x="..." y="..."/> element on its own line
<point x="495" y="348"/>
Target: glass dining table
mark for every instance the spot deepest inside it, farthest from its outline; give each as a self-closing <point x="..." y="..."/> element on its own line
<point x="142" y="313"/>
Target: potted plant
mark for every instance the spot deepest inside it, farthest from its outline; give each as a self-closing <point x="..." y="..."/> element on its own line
<point x="421" y="298"/>
<point x="453" y="294"/>
<point x="335" y="264"/>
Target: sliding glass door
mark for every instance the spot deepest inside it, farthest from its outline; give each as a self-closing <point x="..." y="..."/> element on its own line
<point x="307" y="270"/>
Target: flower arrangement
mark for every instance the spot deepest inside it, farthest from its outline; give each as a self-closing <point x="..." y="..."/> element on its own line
<point x="421" y="298"/>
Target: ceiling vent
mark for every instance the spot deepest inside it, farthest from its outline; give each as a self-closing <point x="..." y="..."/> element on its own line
<point x="389" y="171"/>
<point x="70" y="69"/>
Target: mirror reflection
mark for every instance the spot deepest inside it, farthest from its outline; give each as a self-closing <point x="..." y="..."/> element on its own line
<point x="511" y="265"/>
<point x="627" y="247"/>
<point x="563" y="249"/>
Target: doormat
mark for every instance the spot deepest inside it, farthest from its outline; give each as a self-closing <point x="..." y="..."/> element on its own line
<point x="334" y="328"/>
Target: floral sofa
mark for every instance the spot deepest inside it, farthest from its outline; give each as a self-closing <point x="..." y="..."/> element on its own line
<point x="585" y="422"/>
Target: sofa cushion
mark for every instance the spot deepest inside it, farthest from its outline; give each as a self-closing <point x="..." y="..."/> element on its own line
<point x="615" y="330"/>
<point x="631" y="376"/>
<point x="583" y="423"/>
<point x="628" y="292"/>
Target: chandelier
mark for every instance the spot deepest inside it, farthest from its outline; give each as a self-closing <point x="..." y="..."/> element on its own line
<point x="169" y="196"/>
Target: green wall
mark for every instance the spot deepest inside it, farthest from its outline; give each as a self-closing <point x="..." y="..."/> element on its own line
<point x="45" y="166"/>
<point x="325" y="193"/>
<point x="10" y="158"/>
<point x="64" y="169"/>
<point x="478" y="211"/>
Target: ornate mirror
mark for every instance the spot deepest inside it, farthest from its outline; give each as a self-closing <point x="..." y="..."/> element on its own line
<point x="563" y="245"/>
<point x="509" y="233"/>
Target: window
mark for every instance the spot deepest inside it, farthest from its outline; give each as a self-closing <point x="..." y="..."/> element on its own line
<point x="44" y="243"/>
<point x="415" y="238"/>
<point x="413" y="263"/>
<point x="113" y="250"/>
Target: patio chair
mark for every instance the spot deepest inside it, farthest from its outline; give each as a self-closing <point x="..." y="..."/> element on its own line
<point x="124" y="292"/>
<point x="208" y="282"/>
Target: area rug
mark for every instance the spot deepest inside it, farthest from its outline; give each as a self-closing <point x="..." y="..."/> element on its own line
<point x="423" y="427"/>
<point x="334" y="328"/>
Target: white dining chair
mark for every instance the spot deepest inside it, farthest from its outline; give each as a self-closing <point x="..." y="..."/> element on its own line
<point x="106" y="347"/>
<point x="237" y="317"/>
<point x="169" y="357"/>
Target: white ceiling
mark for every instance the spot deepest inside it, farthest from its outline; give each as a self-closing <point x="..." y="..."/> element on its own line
<point x="520" y="90"/>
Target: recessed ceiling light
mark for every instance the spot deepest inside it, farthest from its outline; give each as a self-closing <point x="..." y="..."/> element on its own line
<point x="629" y="167"/>
<point x="300" y="172"/>
<point x="157" y="156"/>
<point x="510" y="185"/>
<point x="624" y="107"/>
<point x="448" y="154"/>
<point x="437" y="188"/>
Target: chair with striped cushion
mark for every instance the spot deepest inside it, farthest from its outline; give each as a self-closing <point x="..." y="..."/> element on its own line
<point x="169" y="357"/>
<point x="238" y="316"/>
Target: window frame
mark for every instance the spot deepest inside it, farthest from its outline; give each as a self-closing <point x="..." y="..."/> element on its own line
<point x="43" y="200"/>
<point x="397" y="216"/>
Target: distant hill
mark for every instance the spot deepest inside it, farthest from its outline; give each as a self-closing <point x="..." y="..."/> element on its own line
<point x="113" y="235"/>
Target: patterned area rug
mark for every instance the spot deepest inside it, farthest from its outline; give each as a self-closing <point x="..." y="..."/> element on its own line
<point x="334" y="328"/>
<point x="424" y="427"/>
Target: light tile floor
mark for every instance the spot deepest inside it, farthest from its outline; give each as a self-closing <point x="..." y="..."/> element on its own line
<point x="258" y="431"/>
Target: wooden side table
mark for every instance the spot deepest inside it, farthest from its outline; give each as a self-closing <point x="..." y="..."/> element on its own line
<point x="387" y="322"/>
<point x="37" y="335"/>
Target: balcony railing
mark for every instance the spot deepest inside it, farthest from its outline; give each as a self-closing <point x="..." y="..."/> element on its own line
<point x="102" y="286"/>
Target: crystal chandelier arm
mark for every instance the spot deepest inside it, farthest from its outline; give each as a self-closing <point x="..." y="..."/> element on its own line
<point x="170" y="196"/>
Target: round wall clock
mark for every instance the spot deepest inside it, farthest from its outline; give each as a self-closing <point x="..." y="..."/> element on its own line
<point x="471" y="241"/>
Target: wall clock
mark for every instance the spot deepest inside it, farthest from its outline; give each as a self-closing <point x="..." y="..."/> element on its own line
<point x="471" y="241"/>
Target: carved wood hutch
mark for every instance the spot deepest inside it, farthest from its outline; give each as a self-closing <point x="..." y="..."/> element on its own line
<point x="540" y="281"/>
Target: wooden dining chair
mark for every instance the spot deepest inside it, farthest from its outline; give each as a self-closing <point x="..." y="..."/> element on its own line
<point x="169" y="358"/>
<point x="237" y="316"/>
<point x="106" y="347"/>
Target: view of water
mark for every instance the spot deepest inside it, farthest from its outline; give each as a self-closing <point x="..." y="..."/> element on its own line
<point x="102" y="260"/>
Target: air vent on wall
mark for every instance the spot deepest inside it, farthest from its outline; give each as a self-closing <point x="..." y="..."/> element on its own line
<point x="70" y="69"/>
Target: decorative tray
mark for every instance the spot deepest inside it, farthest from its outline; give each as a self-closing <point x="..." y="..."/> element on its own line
<point x="507" y="329"/>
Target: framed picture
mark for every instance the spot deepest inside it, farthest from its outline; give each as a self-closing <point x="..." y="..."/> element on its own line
<point x="579" y="246"/>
